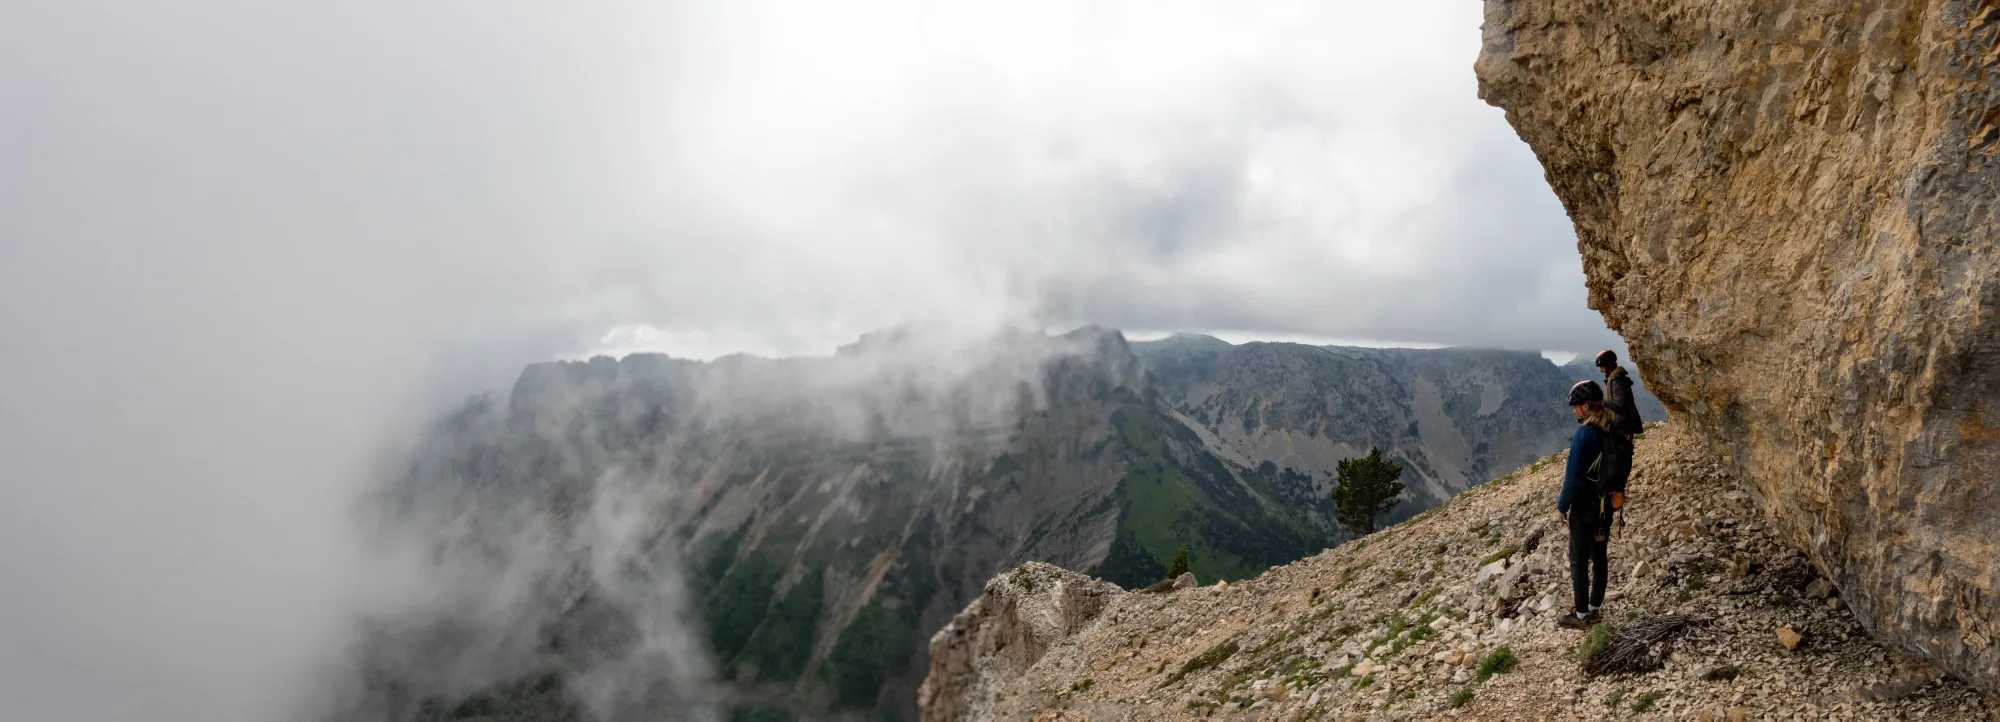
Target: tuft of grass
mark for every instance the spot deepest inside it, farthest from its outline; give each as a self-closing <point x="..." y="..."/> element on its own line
<point x="1646" y="701"/>
<point x="1274" y="640"/>
<point x="1723" y="673"/>
<point x="1427" y="596"/>
<point x="1214" y="656"/>
<point x="1595" y="642"/>
<point x="1499" y="661"/>
<point x="1365" y="681"/>
<point x="1360" y="544"/>
<point x="1497" y="556"/>
<point x="1462" y="696"/>
<point x="1347" y="575"/>
<point x="1618" y="696"/>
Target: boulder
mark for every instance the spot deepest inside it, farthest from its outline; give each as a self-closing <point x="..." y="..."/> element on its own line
<point x="1488" y="573"/>
<point x="1789" y="637"/>
<point x="1185" y="581"/>
<point x="1785" y="208"/>
<point x="1021" y="613"/>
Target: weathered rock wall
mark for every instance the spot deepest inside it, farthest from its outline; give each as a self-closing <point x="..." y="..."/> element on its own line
<point x="1020" y="615"/>
<point x="1788" y="210"/>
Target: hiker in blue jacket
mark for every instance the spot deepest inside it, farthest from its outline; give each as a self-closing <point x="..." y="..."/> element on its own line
<point x="1584" y="508"/>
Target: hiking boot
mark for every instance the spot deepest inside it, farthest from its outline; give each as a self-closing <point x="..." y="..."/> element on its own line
<point x="1571" y="621"/>
<point x="1593" y="616"/>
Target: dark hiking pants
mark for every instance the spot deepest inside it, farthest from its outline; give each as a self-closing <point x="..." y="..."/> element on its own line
<point x="1589" y="563"/>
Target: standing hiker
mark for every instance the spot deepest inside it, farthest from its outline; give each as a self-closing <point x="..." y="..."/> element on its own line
<point x="1618" y="394"/>
<point x="1618" y="398"/>
<point x="1584" y="507"/>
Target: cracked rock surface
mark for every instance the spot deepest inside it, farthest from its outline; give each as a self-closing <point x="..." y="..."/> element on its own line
<point x="1787" y="209"/>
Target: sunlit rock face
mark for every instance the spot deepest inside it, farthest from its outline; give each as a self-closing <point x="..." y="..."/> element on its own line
<point x="1788" y="210"/>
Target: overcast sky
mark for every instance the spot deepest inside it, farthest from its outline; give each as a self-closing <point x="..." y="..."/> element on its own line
<point x="242" y="246"/>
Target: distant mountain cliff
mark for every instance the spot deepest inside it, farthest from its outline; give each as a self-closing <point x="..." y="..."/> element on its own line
<point x="1452" y="417"/>
<point x="807" y="524"/>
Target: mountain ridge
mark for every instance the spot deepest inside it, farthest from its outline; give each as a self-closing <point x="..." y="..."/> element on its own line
<point x="825" y="514"/>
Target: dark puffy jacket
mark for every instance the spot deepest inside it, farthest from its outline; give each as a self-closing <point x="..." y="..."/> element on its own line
<point x="1579" y="478"/>
<point x="1618" y="398"/>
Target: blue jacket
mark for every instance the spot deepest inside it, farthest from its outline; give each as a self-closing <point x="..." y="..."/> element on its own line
<point x="1583" y="449"/>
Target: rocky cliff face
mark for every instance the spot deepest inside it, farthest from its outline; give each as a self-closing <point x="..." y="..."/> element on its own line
<point x="1787" y="209"/>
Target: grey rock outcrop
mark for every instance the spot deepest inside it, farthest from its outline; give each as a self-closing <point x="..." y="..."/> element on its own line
<point x="1019" y="616"/>
<point x="1787" y="210"/>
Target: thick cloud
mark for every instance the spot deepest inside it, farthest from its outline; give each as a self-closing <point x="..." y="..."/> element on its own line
<point x="1289" y="168"/>
<point x="244" y="246"/>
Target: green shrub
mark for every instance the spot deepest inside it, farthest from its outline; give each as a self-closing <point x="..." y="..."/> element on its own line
<point x="1499" y="661"/>
<point x="1596" y="641"/>
<point x="1646" y="701"/>
<point x="1462" y="696"/>
<point x="1427" y="596"/>
<point x="1214" y="656"/>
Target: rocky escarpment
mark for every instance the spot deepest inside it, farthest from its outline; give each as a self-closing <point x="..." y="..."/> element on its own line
<point x="1453" y="418"/>
<point x="1787" y="210"/>
<point x="1005" y="631"/>
<point x="1415" y="621"/>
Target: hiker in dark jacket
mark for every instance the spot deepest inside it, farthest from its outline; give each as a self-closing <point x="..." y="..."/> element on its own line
<point x="1583" y="507"/>
<point x="1618" y="398"/>
<point x="1618" y="394"/>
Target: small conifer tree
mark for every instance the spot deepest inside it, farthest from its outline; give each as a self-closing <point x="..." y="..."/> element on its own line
<point x="1368" y="487"/>
<point x="1179" y="566"/>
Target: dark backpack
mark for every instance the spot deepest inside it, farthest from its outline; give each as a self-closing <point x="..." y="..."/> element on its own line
<point x="1613" y="465"/>
<point x="1608" y="473"/>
